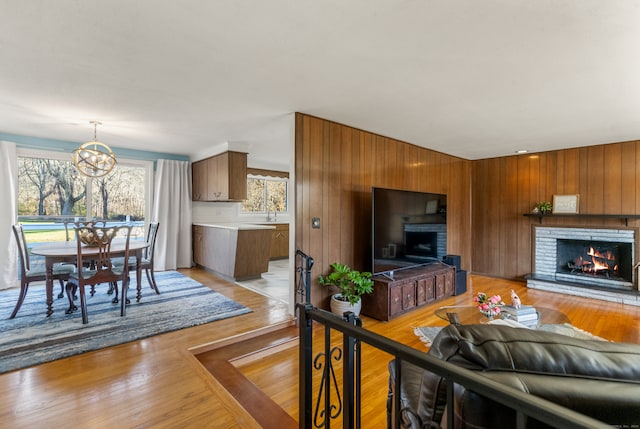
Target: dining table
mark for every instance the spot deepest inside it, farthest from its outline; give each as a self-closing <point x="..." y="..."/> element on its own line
<point x="67" y="251"/>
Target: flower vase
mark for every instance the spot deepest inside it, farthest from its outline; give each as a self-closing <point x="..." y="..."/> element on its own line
<point x="488" y="314"/>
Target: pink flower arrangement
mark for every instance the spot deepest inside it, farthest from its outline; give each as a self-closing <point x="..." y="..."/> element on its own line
<point x="488" y="305"/>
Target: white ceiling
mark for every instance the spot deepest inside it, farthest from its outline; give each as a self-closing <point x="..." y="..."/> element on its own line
<point x="470" y="78"/>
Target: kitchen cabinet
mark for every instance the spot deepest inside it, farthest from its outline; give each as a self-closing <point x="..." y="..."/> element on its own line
<point x="233" y="251"/>
<point x="220" y="178"/>
<point x="279" y="241"/>
<point x="408" y="289"/>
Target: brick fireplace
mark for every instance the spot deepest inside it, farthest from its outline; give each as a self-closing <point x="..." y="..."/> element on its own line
<point x="585" y="261"/>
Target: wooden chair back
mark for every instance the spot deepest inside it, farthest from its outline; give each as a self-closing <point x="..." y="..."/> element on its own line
<point x="151" y="240"/>
<point x="23" y="251"/>
<point x="70" y="226"/>
<point x="100" y="239"/>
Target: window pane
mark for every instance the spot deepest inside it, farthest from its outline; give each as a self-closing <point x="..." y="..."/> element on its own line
<point x="255" y="196"/>
<point x="277" y="195"/>
<point x="120" y="194"/>
<point x="49" y="188"/>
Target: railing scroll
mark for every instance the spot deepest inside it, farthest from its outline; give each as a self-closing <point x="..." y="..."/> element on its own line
<point x="304" y="263"/>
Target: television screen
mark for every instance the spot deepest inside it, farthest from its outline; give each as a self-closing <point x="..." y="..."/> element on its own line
<point x="409" y="228"/>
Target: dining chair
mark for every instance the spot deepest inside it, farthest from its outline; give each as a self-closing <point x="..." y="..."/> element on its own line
<point x="97" y="247"/>
<point x="69" y="229"/>
<point x="30" y="274"/>
<point x="146" y="263"/>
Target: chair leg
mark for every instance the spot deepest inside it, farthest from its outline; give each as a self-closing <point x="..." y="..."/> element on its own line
<point x="83" y="306"/>
<point x="71" y="295"/>
<point x="152" y="280"/>
<point x="61" y="294"/>
<point x="24" y="287"/>
<point x="124" y="301"/>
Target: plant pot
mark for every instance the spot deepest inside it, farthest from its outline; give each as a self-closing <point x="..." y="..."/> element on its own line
<point x="339" y="307"/>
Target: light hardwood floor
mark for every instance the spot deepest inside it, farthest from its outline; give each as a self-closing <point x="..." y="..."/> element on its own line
<point x="160" y="382"/>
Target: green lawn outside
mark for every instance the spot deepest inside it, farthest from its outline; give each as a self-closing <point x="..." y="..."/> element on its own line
<point x="45" y="236"/>
<point x="56" y="233"/>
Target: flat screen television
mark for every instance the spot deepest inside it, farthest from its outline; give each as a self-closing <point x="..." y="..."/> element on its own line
<point x="408" y="229"/>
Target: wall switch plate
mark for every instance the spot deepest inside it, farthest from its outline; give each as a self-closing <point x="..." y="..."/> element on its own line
<point x="315" y="223"/>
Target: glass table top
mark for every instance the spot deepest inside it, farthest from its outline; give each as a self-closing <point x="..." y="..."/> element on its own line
<point x="470" y="315"/>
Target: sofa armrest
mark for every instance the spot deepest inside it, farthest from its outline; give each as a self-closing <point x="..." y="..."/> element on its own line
<point x="419" y="392"/>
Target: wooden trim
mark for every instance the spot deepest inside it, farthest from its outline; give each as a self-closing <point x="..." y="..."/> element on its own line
<point x="268" y="173"/>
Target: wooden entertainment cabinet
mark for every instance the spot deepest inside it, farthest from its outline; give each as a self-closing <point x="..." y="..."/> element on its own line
<point x="408" y="289"/>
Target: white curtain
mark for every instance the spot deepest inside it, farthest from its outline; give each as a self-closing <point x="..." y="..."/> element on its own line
<point x="8" y="199"/>
<point x="172" y="208"/>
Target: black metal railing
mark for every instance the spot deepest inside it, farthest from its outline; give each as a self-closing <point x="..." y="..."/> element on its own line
<point x="303" y="265"/>
<point x="329" y="402"/>
<point x="346" y="403"/>
<point x="332" y="402"/>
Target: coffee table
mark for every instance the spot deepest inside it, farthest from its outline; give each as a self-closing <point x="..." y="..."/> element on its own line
<point x="470" y="315"/>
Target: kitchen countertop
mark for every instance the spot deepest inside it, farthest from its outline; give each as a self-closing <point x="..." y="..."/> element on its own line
<point x="238" y="226"/>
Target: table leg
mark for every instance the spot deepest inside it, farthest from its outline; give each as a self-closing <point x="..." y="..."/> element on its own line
<point x="49" y="285"/>
<point x="138" y="276"/>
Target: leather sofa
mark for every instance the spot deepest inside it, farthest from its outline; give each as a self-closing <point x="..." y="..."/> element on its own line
<point x="600" y="379"/>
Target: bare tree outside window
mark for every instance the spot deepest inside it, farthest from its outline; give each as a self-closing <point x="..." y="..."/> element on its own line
<point x="119" y="194"/>
<point x="52" y="191"/>
<point x="49" y="187"/>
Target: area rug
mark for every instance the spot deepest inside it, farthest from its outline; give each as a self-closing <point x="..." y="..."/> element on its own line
<point x="428" y="333"/>
<point x="31" y="338"/>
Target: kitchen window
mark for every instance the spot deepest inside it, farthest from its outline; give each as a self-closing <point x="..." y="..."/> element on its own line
<point x="266" y="194"/>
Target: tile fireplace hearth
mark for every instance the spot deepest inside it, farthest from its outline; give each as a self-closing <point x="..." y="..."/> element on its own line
<point x="584" y="261"/>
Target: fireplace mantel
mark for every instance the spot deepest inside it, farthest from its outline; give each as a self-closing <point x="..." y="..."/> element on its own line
<point x="626" y="217"/>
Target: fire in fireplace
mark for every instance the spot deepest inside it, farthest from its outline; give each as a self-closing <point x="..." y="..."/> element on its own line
<point x="602" y="259"/>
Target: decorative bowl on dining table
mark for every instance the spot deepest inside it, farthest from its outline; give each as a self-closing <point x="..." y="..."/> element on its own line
<point x="89" y="238"/>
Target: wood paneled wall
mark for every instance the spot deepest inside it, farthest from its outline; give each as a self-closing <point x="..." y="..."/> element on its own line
<point x="606" y="177"/>
<point x="336" y="166"/>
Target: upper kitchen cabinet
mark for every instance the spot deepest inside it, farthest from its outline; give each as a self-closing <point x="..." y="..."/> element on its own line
<point x="220" y="178"/>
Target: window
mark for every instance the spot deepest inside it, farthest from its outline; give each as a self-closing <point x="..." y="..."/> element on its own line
<point x="266" y="194"/>
<point x="51" y="191"/>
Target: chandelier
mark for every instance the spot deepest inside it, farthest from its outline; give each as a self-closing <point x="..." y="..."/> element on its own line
<point x="94" y="159"/>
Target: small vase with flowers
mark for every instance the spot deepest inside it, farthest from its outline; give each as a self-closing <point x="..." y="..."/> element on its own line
<point x="489" y="306"/>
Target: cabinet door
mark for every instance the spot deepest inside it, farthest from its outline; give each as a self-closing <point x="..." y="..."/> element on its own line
<point x="449" y="283"/>
<point x="408" y="295"/>
<point x="198" y="246"/>
<point x="425" y="290"/>
<point x="280" y="244"/>
<point x="395" y="300"/>
<point x="217" y="180"/>
<point x="199" y="181"/>
<point x="237" y="176"/>
<point x="440" y="286"/>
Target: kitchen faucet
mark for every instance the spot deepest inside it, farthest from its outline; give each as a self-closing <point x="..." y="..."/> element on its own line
<point x="275" y="216"/>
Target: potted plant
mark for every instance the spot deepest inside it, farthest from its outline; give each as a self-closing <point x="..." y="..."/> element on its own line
<point x="543" y="207"/>
<point x="351" y="284"/>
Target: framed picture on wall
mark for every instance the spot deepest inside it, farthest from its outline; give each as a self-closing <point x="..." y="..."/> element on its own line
<point x="566" y="204"/>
